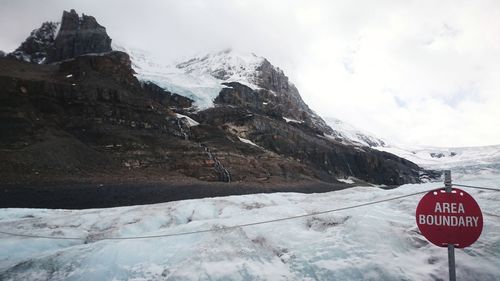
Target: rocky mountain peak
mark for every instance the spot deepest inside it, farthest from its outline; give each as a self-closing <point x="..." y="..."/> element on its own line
<point x="269" y="89"/>
<point x="54" y="42"/>
<point x="34" y="49"/>
<point x="79" y="36"/>
<point x="230" y="65"/>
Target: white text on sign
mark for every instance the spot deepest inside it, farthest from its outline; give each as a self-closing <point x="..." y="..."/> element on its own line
<point x="449" y="220"/>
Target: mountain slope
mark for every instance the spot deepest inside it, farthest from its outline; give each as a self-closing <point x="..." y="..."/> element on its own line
<point x="202" y="79"/>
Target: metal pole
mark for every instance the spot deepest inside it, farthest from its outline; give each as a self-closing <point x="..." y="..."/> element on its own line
<point x="451" y="247"/>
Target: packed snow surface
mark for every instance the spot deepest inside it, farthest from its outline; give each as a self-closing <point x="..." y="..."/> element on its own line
<point x="377" y="242"/>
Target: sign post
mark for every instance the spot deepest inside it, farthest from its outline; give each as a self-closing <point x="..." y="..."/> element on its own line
<point x="451" y="247"/>
<point x="449" y="218"/>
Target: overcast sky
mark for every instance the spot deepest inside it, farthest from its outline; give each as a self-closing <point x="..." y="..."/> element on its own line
<point x="412" y="72"/>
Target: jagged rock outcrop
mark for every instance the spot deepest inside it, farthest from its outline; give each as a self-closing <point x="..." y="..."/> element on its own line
<point x="288" y="97"/>
<point x="78" y="36"/>
<point x="54" y="42"/>
<point x="36" y="47"/>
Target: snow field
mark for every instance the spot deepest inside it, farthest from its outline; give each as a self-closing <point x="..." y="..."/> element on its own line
<point x="378" y="242"/>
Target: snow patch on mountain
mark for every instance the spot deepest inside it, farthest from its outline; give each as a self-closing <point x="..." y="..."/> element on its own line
<point x="290" y="120"/>
<point x="247" y="141"/>
<point x="190" y="121"/>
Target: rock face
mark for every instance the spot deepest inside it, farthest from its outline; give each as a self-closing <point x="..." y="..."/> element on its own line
<point x="78" y="36"/>
<point x="35" y="48"/>
<point x="242" y="112"/>
<point x="289" y="101"/>
<point x="89" y="116"/>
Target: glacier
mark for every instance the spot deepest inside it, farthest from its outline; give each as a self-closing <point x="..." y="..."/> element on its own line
<point x="199" y="78"/>
<point x="377" y="242"/>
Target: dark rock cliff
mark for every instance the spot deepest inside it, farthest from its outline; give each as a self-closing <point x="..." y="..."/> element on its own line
<point x="78" y="36"/>
<point x="89" y="116"/>
<point x="241" y="112"/>
<point x="72" y="37"/>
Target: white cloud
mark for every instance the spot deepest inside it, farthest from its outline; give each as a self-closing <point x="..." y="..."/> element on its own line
<point x="418" y="72"/>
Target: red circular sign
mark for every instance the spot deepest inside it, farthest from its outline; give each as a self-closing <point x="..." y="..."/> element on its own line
<point x="449" y="218"/>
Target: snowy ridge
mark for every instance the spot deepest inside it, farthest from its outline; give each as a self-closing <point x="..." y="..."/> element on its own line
<point x="350" y="134"/>
<point x="199" y="79"/>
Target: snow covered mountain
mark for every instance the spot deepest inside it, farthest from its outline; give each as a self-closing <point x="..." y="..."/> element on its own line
<point x="203" y="77"/>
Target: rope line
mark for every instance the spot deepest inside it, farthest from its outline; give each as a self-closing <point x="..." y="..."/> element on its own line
<point x="246" y="224"/>
<point x="226" y="227"/>
<point x="478" y="187"/>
